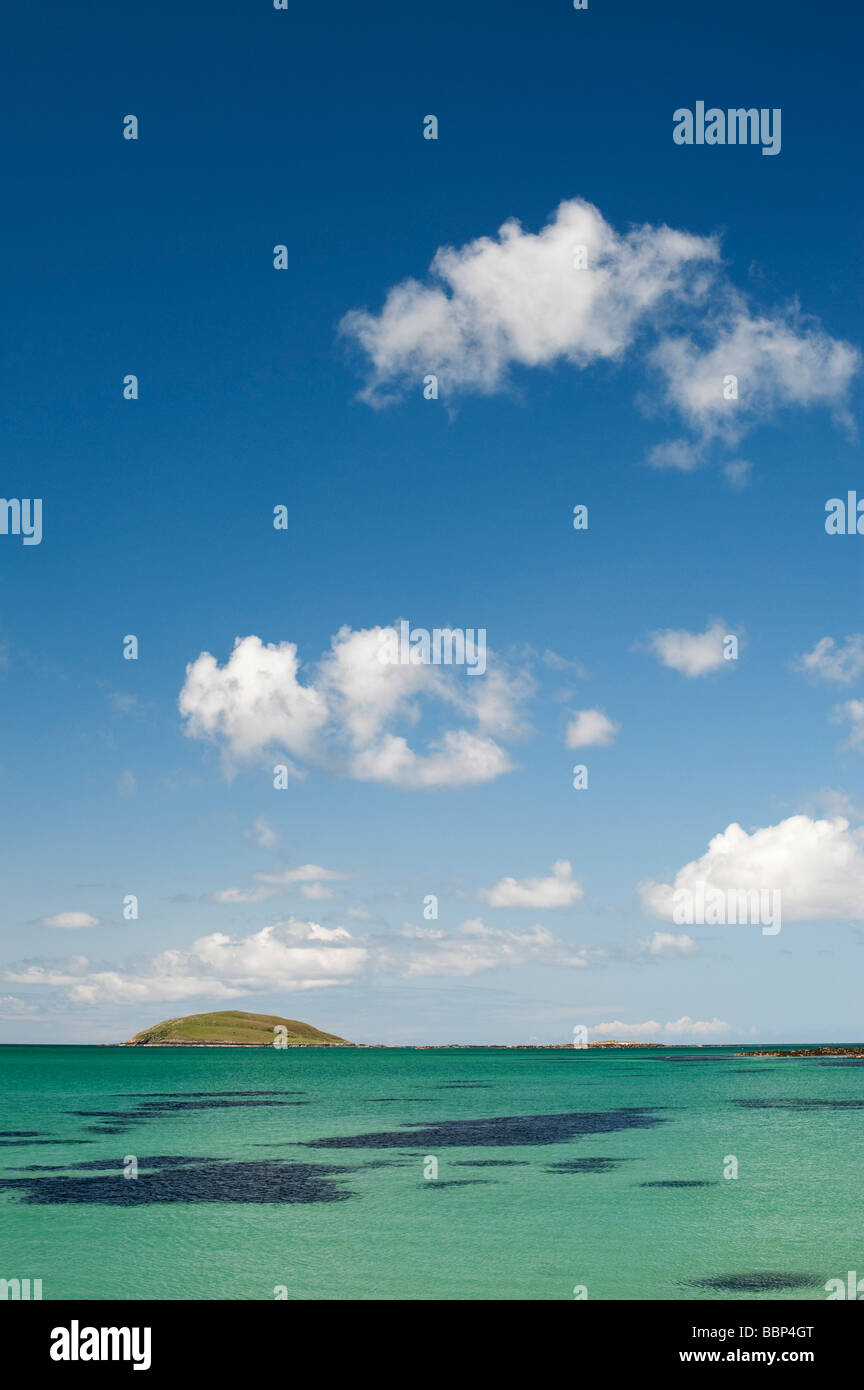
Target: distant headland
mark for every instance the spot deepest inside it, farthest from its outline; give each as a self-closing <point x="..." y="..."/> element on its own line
<point x="236" y="1028"/>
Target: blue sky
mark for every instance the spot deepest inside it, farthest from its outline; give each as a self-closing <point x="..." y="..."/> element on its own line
<point x="304" y="128"/>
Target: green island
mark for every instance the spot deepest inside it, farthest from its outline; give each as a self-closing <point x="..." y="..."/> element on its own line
<point x="234" y="1028"/>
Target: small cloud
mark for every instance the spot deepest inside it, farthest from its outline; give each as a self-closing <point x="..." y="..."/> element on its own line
<point x="832" y="662"/>
<point x="738" y="473"/>
<point x="305" y="873"/>
<point x="680" y="454"/>
<point x="691" y="653"/>
<point x="559" y="890"/>
<point x="591" y="728"/>
<point x="316" y="891"/>
<point x="126" y="784"/>
<point x="852" y="712"/>
<point x="262" y="832"/>
<point x="123" y="702"/>
<point x="69" y="920"/>
<point x="557" y="662"/>
<point x="834" y="801"/>
<point x="667" y="945"/>
<point x="240" y="895"/>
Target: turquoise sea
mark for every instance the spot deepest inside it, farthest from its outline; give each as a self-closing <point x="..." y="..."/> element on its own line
<point x="302" y="1173"/>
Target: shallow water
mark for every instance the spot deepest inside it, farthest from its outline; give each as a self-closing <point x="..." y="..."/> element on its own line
<point x="261" y="1169"/>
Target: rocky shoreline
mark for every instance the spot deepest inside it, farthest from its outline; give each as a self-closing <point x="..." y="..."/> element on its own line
<point x="808" y="1052"/>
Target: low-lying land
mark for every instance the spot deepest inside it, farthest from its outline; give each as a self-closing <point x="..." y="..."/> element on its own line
<point x="829" y="1051"/>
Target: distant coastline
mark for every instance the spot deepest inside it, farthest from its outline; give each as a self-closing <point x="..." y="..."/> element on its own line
<point x="829" y="1050"/>
<point x="237" y="1028"/>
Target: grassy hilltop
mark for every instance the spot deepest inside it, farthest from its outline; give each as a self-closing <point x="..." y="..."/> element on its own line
<point x="232" y="1027"/>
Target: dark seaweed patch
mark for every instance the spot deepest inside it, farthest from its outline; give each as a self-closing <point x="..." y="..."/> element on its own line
<point x="491" y="1163"/>
<point x="498" y="1131"/>
<point x="680" y="1182"/>
<point x="800" y="1103"/>
<point x="165" y="1107"/>
<point x="118" y="1121"/>
<point x="586" y="1165"/>
<point x="31" y="1143"/>
<point x="693" y="1057"/>
<point x="190" y="1095"/>
<point x="754" y="1283"/>
<point x="459" y="1182"/>
<point x="20" y="1133"/>
<point x="464" y="1086"/>
<point x="211" y="1181"/>
<point x="111" y="1165"/>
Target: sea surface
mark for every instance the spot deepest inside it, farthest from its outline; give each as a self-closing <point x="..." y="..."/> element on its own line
<point x="307" y="1174"/>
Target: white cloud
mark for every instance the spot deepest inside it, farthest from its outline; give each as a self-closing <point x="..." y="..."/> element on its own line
<point x="263" y="834"/>
<point x="778" y="362"/>
<point x="835" y="801"/>
<point x="691" y="653"/>
<point x="299" y="955"/>
<point x="254" y="702"/>
<point x="290" y="955"/>
<point x="817" y="866"/>
<point x="832" y="662"/>
<point x="293" y="954"/>
<point x="738" y="473"/>
<point x="518" y="300"/>
<point x="668" y="945"/>
<point x="123" y="702"/>
<point x="591" y="728"/>
<point x="14" y="1010"/>
<point x="241" y="895"/>
<point x="70" y="920"/>
<point x="681" y="455"/>
<point x="852" y="712"/>
<point x="559" y="890"/>
<point x="316" y="891"/>
<point x="304" y="873"/>
<point x="681" y="1027"/>
<point x="557" y="662"/>
<point x="458" y="759"/>
<point x="126" y="783"/>
<point x="341" y="718"/>
<point x="269" y="885"/>
<point x="474" y="947"/>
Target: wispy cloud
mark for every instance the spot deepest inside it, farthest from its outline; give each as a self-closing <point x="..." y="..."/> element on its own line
<point x="833" y="661"/>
